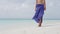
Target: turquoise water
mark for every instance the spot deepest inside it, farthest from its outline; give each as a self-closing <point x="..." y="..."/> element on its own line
<point x="18" y="23"/>
<point x="24" y="22"/>
<point x="15" y="21"/>
<point x="20" y="20"/>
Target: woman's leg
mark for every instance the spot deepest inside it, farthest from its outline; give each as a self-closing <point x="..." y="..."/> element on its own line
<point x="40" y="22"/>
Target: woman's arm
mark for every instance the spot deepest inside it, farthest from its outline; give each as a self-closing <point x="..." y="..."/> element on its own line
<point x="35" y="5"/>
<point x="44" y="5"/>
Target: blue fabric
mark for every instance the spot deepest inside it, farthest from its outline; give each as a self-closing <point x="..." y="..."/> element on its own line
<point x="39" y="12"/>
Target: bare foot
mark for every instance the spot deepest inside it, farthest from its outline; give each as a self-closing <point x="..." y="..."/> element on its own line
<point x="39" y="25"/>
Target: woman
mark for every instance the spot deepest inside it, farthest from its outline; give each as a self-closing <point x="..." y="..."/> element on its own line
<point x="40" y="6"/>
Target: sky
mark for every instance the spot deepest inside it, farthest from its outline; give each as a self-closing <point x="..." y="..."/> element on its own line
<point x="25" y="9"/>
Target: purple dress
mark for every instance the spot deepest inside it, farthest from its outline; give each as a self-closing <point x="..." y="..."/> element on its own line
<point x="39" y="12"/>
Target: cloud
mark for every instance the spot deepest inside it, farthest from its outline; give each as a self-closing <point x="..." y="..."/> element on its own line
<point x="51" y="4"/>
<point x="24" y="9"/>
<point x="10" y="9"/>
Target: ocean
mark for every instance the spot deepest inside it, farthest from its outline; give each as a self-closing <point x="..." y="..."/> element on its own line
<point x="28" y="26"/>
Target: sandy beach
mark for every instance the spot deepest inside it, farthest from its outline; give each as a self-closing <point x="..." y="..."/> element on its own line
<point x="30" y="27"/>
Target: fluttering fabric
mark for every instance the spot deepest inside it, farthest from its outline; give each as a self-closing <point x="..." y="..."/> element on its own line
<point x="39" y="12"/>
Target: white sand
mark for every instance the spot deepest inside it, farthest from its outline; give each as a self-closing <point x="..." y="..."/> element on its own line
<point x="48" y="27"/>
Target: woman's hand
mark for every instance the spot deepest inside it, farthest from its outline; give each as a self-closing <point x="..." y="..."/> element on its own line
<point x="44" y="8"/>
<point x="35" y="9"/>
